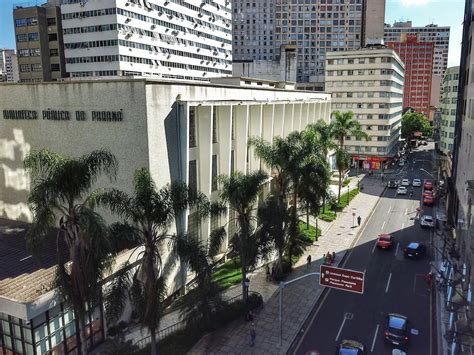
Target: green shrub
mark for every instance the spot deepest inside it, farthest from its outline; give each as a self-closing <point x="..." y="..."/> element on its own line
<point x="310" y="232"/>
<point x="346" y="182"/>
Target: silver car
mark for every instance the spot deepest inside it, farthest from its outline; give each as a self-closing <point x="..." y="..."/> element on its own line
<point x="416" y="182"/>
<point x="402" y="190"/>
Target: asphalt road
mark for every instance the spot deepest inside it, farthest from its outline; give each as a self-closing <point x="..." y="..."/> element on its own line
<point x="392" y="283"/>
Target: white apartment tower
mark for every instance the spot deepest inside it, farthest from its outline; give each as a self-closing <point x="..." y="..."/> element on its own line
<point x="448" y="110"/>
<point x="9" y="66"/>
<point x="179" y="39"/>
<point x="369" y="82"/>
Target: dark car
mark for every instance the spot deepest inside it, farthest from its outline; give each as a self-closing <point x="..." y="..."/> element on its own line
<point x="397" y="329"/>
<point x="350" y="347"/>
<point x="414" y="250"/>
<point x="392" y="184"/>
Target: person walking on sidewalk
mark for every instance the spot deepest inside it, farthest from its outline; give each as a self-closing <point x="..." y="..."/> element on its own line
<point x="267" y="271"/>
<point x="308" y="261"/>
<point x="253" y="335"/>
<point x="359" y="220"/>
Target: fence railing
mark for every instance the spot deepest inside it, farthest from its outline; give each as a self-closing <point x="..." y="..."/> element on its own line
<point x="163" y="333"/>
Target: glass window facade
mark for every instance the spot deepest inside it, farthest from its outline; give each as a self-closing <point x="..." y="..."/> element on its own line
<point x="53" y="331"/>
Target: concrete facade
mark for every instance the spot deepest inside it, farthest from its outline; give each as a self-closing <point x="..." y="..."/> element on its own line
<point x="176" y="39"/>
<point x="261" y="27"/>
<point x="448" y="110"/>
<point x="369" y="82"/>
<point x="39" y="42"/>
<point x="9" y="66"/>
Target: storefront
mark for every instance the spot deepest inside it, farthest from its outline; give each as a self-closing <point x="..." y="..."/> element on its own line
<point x="370" y="163"/>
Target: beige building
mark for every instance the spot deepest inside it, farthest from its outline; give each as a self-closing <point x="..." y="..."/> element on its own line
<point x="39" y="42"/>
<point x="369" y="82"/>
<point x="186" y="131"/>
<point x="448" y="110"/>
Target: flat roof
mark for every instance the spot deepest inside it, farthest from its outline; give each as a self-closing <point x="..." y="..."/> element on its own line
<point x="23" y="276"/>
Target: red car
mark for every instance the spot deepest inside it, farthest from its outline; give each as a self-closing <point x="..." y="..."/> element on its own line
<point x="385" y="241"/>
<point x="428" y="200"/>
<point x="428" y="185"/>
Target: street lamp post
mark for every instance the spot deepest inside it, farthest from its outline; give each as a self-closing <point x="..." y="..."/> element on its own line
<point x="421" y="169"/>
<point x="348" y="193"/>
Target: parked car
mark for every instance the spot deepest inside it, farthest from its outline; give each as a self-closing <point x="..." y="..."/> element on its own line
<point x="405" y="182"/>
<point x="414" y="250"/>
<point x="392" y="184"/>
<point x="350" y="347"/>
<point x="385" y="241"/>
<point x="428" y="200"/>
<point x="397" y="329"/>
<point x="427" y="221"/>
<point x="402" y="190"/>
<point x="416" y="182"/>
<point x="428" y="185"/>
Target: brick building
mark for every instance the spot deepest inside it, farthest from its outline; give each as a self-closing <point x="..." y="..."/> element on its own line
<point x="418" y="58"/>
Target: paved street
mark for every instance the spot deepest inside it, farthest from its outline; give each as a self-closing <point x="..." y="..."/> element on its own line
<point x="392" y="283"/>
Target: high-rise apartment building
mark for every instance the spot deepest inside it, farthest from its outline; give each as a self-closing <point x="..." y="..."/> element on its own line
<point x="39" y="42"/>
<point x="438" y="35"/>
<point x="260" y="28"/>
<point x="369" y="82"/>
<point x="448" y="109"/>
<point x="171" y="39"/>
<point x="9" y="66"/>
<point x="418" y="59"/>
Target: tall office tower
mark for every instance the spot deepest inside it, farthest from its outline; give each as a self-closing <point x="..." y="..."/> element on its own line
<point x="369" y="82"/>
<point x="418" y="59"/>
<point x="39" y="42"/>
<point x="169" y="39"/>
<point x="9" y="66"/>
<point x="439" y="36"/>
<point x="448" y="110"/>
<point x="317" y="27"/>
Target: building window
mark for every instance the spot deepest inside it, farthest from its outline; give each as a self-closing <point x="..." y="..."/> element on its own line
<point x="192" y="127"/>
<point x="193" y="175"/>
<point x="52" y="37"/>
<point x="214" y="173"/>
<point x="34" y="36"/>
<point x="214" y="125"/>
<point x="23" y="52"/>
<point x="193" y="226"/>
<point x="54" y="52"/>
<point x="35" y="52"/>
<point x="51" y="21"/>
<point x="24" y="68"/>
<point x="371" y="60"/>
<point x="36" y="67"/>
<point x="23" y="37"/>
<point x="55" y="67"/>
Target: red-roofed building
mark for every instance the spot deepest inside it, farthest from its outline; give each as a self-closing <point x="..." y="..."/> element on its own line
<point x="418" y="59"/>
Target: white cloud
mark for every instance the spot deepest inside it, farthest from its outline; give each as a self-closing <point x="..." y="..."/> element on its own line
<point x="415" y="2"/>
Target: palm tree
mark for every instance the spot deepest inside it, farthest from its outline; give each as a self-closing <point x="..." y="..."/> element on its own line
<point x="240" y="193"/>
<point x="324" y="134"/>
<point x="147" y="216"/>
<point x="343" y="160"/>
<point x="343" y="125"/>
<point x="61" y="191"/>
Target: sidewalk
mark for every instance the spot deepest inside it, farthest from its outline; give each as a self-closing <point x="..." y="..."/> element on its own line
<point x="300" y="297"/>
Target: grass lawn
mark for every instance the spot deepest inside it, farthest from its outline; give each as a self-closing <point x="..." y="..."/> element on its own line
<point x="228" y="274"/>
<point x="346" y="182"/>
<point x="311" y="232"/>
<point x="343" y="202"/>
<point x="328" y="215"/>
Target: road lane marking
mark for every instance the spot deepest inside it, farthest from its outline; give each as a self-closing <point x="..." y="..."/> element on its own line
<point x="388" y="282"/>
<point x="373" y="248"/>
<point x="406" y="211"/>
<point x="396" y="250"/>
<point x="340" y="329"/>
<point x="403" y="225"/>
<point x="390" y="209"/>
<point x="375" y="338"/>
<point x="383" y="225"/>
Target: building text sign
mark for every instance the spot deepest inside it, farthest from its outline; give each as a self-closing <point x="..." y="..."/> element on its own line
<point x="61" y="115"/>
<point x="342" y="279"/>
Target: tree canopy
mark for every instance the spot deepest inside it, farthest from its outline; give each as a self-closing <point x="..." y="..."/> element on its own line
<point x="415" y="122"/>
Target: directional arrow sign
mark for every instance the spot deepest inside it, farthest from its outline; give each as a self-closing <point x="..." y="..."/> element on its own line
<point x="342" y="279"/>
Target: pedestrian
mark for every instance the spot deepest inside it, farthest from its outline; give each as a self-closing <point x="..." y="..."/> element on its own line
<point x="250" y="316"/>
<point x="308" y="261"/>
<point x="273" y="271"/>
<point x="328" y="259"/>
<point x="324" y="259"/>
<point x="333" y="257"/>
<point x="253" y="334"/>
<point x="267" y="271"/>
<point x="382" y="177"/>
<point x="359" y="219"/>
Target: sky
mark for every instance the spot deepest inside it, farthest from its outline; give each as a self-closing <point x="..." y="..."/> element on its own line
<point x="420" y="12"/>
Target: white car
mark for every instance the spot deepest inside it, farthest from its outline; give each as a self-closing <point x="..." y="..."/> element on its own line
<point x="402" y="190"/>
<point x="427" y="221"/>
<point x="405" y="182"/>
<point x="416" y="182"/>
<point x="401" y="163"/>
